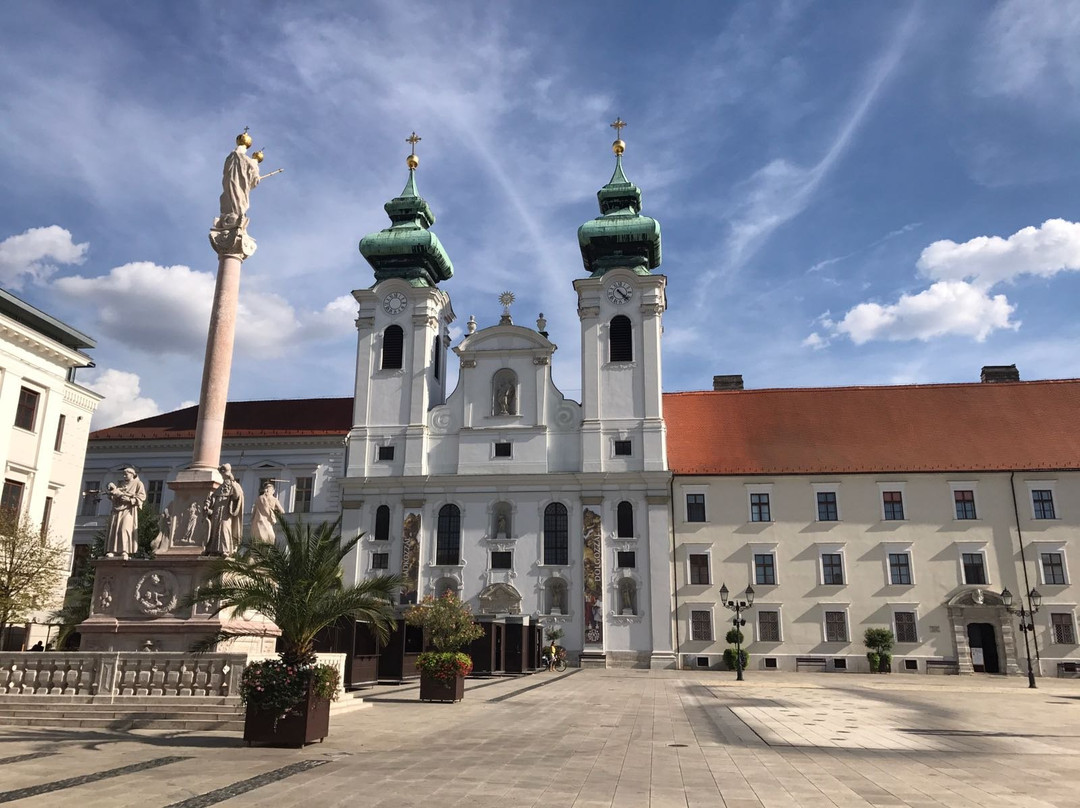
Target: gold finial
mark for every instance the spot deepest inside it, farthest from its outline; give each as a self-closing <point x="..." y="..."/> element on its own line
<point x="412" y="161"/>
<point x="244" y="139"/>
<point x="259" y="156"/>
<point x="619" y="146"/>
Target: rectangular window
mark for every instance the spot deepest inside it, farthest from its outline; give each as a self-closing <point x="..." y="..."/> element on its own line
<point x="826" y="506"/>
<point x="1043" y="500"/>
<point x="836" y="627"/>
<point x="905" y="627"/>
<point x="154" y="491"/>
<point x="764" y="569"/>
<point x="11" y="498"/>
<point x="832" y="569"/>
<point x="502" y="449"/>
<point x="768" y="623"/>
<point x="380" y="561"/>
<point x="701" y="626"/>
<point x="26" y="413"/>
<point x="965" y="504"/>
<point x="622" y="448"/>
<point x="304" y="489"/>
<point x="894" y="504"/>
<point x="899" y="569"/>
<point x="1064" y="633"/>
<point x="759" y="508"/>
<point x="974" y="568"/>
<point x="699" y="568"/>
<point x="90" y="498"/>
<point x="386" y="453"/>
<point x="58" y="444"/>
<point x="695" y="507"/>
<point x="626" y="559"/>
<point x="46" y="516"/>
<point x="1053" y="565"/>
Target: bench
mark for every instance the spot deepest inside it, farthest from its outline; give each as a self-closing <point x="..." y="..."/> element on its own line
<point x="943" y="666"/>
<point x="1068" y="670"/>
<point x="814" y="662"/>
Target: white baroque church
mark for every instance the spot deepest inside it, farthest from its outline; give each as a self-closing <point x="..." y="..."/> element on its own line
<point x="530" y="506"/>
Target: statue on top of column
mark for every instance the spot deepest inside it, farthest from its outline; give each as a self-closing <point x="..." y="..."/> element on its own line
<point x="240" y="175"/>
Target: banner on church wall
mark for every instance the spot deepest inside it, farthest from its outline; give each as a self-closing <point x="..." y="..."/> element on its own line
<point x="594" y="580"/>
<point x="410" y="558"/>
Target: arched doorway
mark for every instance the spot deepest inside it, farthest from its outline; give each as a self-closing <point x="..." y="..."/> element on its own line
<point x="983" y="643"/>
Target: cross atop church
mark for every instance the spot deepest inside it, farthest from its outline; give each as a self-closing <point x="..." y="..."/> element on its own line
<point x="413" y="139"/>
<point x="618" y="126"/>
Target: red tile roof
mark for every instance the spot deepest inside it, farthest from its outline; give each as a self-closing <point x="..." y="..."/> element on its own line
<point x="245" y="419"/>
<point x="911" y="428"/>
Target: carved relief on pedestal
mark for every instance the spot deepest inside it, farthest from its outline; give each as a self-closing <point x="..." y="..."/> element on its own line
<point x="500" y="598"/>
<point x="105" y="596"/>
<point x="156" y="593"/>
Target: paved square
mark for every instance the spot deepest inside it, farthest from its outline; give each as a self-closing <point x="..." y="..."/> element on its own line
<point x="611" y="738"/>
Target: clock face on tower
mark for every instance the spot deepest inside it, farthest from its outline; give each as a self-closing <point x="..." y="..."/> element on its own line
<point x="620" y="292"/>
<point x="395" y="303"/>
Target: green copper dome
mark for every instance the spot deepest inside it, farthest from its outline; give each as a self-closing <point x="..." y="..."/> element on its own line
<point x="407" y="248"/>
<point x="620" y="236"/>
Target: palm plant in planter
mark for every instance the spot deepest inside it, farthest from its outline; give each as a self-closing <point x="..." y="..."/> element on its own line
<point x="296" y="584"/>
<point x="448" y="625"/>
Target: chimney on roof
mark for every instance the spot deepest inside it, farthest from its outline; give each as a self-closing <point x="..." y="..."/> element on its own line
<point x="999" y="373"/>
<point x="732" y="381"/>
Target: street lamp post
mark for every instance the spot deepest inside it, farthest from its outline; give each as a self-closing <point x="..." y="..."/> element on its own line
<point x="1027" y="621"/>
<point x="738" y="606"/>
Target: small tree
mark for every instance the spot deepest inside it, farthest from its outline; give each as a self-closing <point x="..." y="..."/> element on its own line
<point x="879" y="642"/>
<point x="79" y="595"/>
<point x="733" y="637"/>
<point x="31" y="568"/>
<point x="448" y="625"/>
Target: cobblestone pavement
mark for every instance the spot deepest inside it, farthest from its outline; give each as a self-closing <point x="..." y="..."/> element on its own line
<point x="604" y="738"/>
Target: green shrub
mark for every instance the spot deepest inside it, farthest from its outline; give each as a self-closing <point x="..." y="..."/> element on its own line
<point x="276" y="686"/>
<point x="445" y="665"/>
<point x="729" y="658"/>
<point x="879" y="639"/>
<point x="885" y="665"/>
<point x="874" y="658"/>
<point x="734" y="636"/>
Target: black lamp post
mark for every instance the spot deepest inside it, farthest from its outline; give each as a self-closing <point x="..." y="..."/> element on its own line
<point x="738" y="606"/>
<point x="1027" y="621"/>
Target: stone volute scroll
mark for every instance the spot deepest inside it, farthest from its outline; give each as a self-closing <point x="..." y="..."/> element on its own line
<point x="504" y="392"/>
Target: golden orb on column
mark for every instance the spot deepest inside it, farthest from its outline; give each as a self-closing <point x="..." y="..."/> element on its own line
<point x="258" y="156"/>
<point x="243" y="139"/>
<point x="412" y="161"/>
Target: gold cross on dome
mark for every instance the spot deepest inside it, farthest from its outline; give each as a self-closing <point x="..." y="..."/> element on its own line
<point x="413" y="139"/>
<point x="617" y="126"/>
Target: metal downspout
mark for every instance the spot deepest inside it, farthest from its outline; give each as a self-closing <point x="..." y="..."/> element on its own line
<point x="674" y="573"/>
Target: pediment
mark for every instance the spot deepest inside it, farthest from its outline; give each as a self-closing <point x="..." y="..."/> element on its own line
<point x="505" y="338"/>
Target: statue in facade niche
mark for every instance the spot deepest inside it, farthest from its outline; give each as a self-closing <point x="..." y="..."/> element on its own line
<point x="225" y="508"/>
<point x="127" y="497"/>
<point x="505" y="398"/>
<point x="264" y="514"/>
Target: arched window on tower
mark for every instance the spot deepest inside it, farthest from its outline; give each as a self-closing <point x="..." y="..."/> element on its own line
<point x="625" y="520"/>
<point x="620" y="339"/>
<point x="393" y="347"/>
<point x="448" y="536"/>
<point x="556" y="534"/>
<point x="382" y="523"/>
<point x="436" y="357"/>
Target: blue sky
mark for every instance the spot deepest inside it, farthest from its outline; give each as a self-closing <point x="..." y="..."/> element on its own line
<point x="850" y="193"/>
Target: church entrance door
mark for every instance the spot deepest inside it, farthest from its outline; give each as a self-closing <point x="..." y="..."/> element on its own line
<point x="983" y="643"/>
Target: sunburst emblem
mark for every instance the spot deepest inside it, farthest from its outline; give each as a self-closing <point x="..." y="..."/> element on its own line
<point x="507" y="298"/>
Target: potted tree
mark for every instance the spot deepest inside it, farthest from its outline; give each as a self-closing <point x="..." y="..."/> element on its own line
<point x="879" y="643"/>
<point x="296" y="584"/>
<point x="449" y="627"/>
<point x="734" y="637"/>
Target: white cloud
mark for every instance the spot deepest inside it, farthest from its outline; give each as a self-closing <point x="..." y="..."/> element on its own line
<point x="166" y="310"/>
<point x="122" y="402"/>
<point x="959" y="302"/>
<point x="947" y="307"/>
<point x="815" y="341"/>
<point x="988" y="260"/>
<point x="35" y="254"/>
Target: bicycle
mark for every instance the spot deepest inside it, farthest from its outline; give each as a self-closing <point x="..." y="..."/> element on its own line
<point x="560" y="662"/>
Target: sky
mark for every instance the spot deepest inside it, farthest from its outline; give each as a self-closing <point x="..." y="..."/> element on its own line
<point x="849" y="193"/>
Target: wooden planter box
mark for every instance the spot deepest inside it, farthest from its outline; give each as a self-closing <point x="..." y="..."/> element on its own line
<point x="310" y="722"/>
<point x="432" y="689"/>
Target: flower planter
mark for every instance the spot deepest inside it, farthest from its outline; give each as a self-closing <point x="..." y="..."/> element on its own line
<point x="307" y="723"/>
<point x="435" y="689"/>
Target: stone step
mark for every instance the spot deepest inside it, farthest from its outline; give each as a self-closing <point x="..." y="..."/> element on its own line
<point x="45" y="700"/>
<point x="232" y="724"/>
<point x="187" y="715"/>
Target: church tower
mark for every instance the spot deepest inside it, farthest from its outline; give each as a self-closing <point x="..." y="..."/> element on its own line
<point x="403" y="335"/>
<point x="621" y="305"/>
